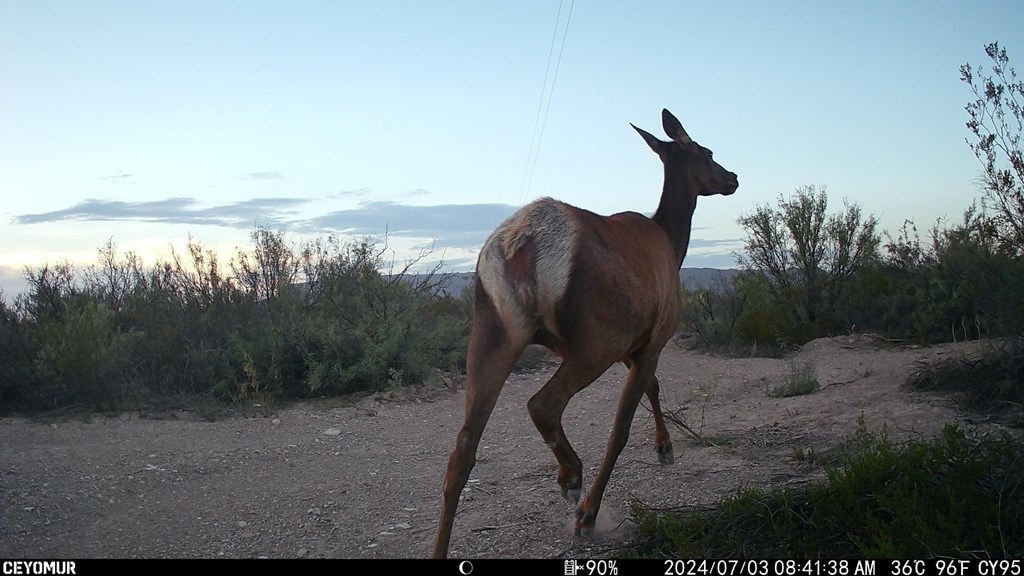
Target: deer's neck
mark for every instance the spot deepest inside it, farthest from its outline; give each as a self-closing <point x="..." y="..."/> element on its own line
<point x="675" y="214"/>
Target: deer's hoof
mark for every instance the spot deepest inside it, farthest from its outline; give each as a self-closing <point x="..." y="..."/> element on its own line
<point x="585" y="523"/>
<point x="665" y="454"/>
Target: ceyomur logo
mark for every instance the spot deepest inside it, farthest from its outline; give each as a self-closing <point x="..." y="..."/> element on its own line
<point x="33" y="567"/>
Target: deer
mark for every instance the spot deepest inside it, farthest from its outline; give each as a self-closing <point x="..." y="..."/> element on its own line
<point x="595" y="290"/>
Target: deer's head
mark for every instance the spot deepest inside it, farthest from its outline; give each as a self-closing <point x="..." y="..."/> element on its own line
<point x="687" y="163"/>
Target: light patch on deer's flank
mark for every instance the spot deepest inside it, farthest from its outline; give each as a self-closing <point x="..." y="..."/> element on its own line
<point x="549" y="226"/>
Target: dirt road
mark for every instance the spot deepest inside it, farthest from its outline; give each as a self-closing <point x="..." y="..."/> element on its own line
<point x="364" y="480"/>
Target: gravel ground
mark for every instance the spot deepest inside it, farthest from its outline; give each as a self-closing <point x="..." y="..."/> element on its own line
<point x="362" y="478"/>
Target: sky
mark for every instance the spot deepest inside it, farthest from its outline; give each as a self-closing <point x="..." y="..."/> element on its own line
<point x="144" y="122"/>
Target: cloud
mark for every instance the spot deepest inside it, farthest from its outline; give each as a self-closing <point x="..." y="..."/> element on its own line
<point x="116" y="178"/>
<point x="449" y="225"/>
<point x="453" y="225"/>
<point x="729" y="243"/>
<point x="349" y="193"/>
<point x="463" y="264"/>
<point x="457" y="226"/>
<point x="264" y="211"/>
<point x="264" y="176"/>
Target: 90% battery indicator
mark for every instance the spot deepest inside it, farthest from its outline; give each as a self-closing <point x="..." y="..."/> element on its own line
<point x="591" y="568"/>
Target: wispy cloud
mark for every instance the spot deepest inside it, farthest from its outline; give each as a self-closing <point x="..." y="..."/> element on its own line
<point x="349" y="193"/>
<point x="697" y="243"/>
<point x="268" y="211"/>
<point x="460" y="226"/>
<point x="455" y="225"/>
<point x="450" y="225"/>
<point x="119" y="178"/>
<point x="263" y="176"/>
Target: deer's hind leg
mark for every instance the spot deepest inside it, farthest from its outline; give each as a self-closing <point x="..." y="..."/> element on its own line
<point x="492" y="352"/>
<point x="662" y="441"/>
<point x="546" y="408"/>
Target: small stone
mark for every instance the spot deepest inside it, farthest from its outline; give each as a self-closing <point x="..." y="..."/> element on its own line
<point x="332" y="432"/>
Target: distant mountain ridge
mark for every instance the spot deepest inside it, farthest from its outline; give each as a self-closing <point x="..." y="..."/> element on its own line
<point x="697" y="277"/>
<point x="691" y="278"/>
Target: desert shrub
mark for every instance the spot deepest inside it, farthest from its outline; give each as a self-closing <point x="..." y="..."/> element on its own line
<point x="187" y="308"/>
<point x="990" y="381"/>
<point x="800" y="269"/>
<point x="277" y="322"/>
<point x="16" y="375"/>
<point x="800" y="380"/>
<point x="996" y="118"/>
<point x="386" y="331"/>
<point x="741" y="316"/>
<point x="767" y="324"/>
<point x="960" y="286"/>
<point x="372" y="330"/>
<point x="84" y="357"/>
<point x="804" y="257"/>
<point x="954" y="496"/>
<point x="51" y="288"/>
<point x="711" y="313"/>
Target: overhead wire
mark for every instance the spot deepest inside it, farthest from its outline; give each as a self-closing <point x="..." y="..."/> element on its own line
<point x="538" y="135"/>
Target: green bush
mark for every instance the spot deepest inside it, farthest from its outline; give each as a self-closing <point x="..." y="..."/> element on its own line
<point x="711" y="313"/>
<point x="804" y="257"/>
<point x="959" y="285"/>
<point x="278" y="322"/>
<point x="989" y="381"/>
<point x="766" y="324"/>
<point x="954" y="496"/>
<point x="962" y="286"/>
<point x="996" y="120"/>
<point x="84" y="357"/>
<point x="17" y="377"/>
<point x="741" y="316"/>
<point x="799" y="381"/>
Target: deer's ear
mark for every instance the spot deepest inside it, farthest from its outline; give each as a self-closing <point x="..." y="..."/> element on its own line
<point x="674" y="129"/>
<point x="653" y="142"/>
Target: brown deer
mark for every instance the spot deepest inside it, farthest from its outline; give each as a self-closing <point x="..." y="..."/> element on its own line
<point x="595" y="290"/>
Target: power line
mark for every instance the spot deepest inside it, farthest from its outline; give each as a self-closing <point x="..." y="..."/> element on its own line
<point x="538" y="137"/>
<point x="540" y="103"/>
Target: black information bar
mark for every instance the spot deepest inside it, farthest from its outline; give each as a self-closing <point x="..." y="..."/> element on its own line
<point x="567" y="567"/>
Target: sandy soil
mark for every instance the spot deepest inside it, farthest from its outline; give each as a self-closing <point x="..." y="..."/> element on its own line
<point x="324" y="479"/>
